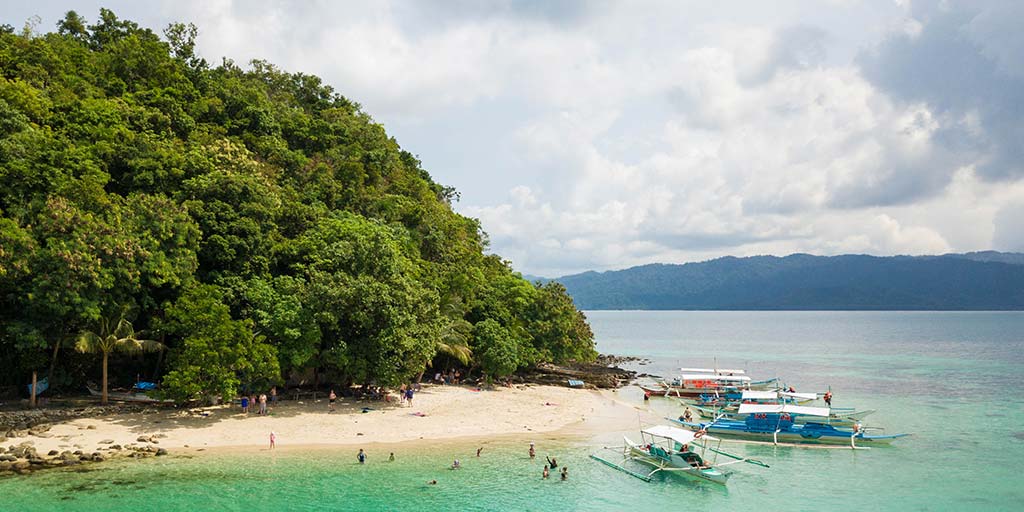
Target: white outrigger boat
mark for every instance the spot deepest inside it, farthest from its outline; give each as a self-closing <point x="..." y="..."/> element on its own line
<point x="675" y="450"/>
<point x="776" y="401"/>
<point x="696" y="384"/>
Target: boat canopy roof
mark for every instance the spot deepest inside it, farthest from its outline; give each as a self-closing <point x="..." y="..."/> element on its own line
<point x="784" y="408"/>
<point x="726" y="378"/>
<point x="760" y="395"/>
<point x="713" y="371"/>
<point x="774" y="394"/>
<point x="679" y="435"/>
<point x="800" y="396"/>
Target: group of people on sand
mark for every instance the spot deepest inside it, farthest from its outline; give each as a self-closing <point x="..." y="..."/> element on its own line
<point x="258" y="403"/>
<point x="451" y="377"/>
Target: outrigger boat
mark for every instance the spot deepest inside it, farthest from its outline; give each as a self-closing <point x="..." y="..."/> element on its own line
<point x="709" y="407"/>
<point x="775" y="423"/>
<point x="699" y="384"/>
<point x="675" y="450"/>
<point x="734" y="399"/>
<point x="835" y="416"/>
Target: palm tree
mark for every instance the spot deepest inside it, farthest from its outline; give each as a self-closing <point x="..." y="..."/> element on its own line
<point x="121" y="338"/>
<point x="454" y="340"/>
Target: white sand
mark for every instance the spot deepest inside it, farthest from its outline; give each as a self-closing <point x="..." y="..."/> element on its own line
<point x="449" y="412"/>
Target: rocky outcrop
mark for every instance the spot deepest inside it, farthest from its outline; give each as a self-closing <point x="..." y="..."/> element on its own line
<point x="600" y="374"/>
<point x="23" y="458"/>
<point x="37" y="422"/>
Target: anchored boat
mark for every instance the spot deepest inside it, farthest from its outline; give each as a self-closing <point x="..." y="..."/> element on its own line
<point x="676" y="450"/>
<point x="699" y="384"/>
<point x="710" y="407"/>
<point x="775" y="424"/>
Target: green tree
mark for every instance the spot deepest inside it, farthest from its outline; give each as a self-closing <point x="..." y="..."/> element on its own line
<point x="113" y="336"/>
<point x="498" y="352"/>
<point x="216" y="354"/>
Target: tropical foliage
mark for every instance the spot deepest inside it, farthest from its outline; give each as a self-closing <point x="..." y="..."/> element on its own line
<point x="254" y="221"/>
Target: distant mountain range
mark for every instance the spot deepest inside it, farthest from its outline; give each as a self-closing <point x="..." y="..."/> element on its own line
<point x="986" y="280"/>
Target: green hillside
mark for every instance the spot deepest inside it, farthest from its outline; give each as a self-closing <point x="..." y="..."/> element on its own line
<point x="972" y="281"/>
<point x="256" y="223"/>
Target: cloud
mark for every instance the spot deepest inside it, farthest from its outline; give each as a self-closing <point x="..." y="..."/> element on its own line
<point x="965" y="61"/>
<point x="597" y="135"/>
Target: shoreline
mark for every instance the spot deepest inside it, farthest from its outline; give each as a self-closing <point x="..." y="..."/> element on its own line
<point x="439" y="415"/>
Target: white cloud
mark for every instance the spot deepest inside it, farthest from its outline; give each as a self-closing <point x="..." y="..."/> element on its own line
<point x="680" y="131"/>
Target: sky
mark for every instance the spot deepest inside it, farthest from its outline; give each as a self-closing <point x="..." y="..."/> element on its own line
<point x="598" y="135"/>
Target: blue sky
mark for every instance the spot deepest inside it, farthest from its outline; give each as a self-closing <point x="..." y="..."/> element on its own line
<point x="601" y="134"/>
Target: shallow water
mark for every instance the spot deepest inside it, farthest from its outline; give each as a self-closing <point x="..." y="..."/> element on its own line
<point x="950" y="378"/>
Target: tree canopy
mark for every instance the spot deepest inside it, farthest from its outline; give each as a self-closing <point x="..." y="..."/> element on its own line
<point x="256" y="222"/>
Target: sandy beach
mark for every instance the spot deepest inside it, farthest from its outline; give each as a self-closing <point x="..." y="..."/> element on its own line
<point x="437" y="413"/>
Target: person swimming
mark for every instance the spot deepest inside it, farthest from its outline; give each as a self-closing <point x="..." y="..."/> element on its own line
<point x="456" y="464"/>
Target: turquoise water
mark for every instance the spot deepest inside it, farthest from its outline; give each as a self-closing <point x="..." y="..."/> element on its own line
<point x="953" y="379"/>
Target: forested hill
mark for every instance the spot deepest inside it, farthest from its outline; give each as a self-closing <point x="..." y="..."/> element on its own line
<point x="973" y="281"/>
<point x="253" y="223"/>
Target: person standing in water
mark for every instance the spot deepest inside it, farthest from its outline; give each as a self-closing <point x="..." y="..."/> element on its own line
<point x="533" y="452"/>
<point x="391" y="458"/>
<point x="478" y="450"/>
<point x="361" y="456"/>
<point x="552" y="462"/>
<point x="565" y="473"/>
<point x="546" y="473"/>
<point x="331" y="398"/>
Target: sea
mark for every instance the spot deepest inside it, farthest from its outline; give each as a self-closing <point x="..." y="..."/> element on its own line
<point x="952" y="379"/>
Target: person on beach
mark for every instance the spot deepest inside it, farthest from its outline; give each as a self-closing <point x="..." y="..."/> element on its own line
<point x="401" y="395"/>
<point x="361" y="456"/>
<point x="408" y="395"/>
<point x="245" y="404"/>
<point x="273" y="395"/>
<point x="687" y="415"/>
<point x="828" y="398"/>
<point x="546" y="473"/>
<point x="273" y="438"/>
<point x="478" y="450"/>
<point x="331" y="399"/>
<point x="263" y="404"/>
<point x="391" y="458"/>
<point x="565" y="473"/>
<point x="552" y="462"/>
<point x="533" y="453"/>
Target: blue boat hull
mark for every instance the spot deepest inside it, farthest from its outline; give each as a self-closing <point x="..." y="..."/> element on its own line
<point x="763" y="429"/>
